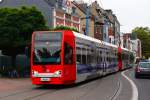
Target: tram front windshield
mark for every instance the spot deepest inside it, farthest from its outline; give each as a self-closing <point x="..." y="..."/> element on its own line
<point x="47" y="48"/>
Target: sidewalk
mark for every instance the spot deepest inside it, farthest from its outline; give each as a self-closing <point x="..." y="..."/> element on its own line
<point x="11" y="84"/>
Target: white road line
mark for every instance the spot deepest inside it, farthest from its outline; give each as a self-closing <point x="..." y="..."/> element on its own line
<point x="134" y="88"/>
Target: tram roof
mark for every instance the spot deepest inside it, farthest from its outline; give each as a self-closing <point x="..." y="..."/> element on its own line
<point x="93" y="39"/>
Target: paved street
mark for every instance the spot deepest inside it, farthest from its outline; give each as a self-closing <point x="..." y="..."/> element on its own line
<point x="112" y="87"/>
<point x="143" y="85"/>
<point x="67" y="41"/>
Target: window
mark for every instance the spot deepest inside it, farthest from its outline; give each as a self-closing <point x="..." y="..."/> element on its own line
<point x="100" y="56"/>
<point x="83" y="59"/>
<point x="88" y="59"/>
<point x="47" y="48"/>
<point x="78" y="57"/>
<point x="73" y="10"/>
<point x="84" y="55"/>
<point x="68" y="55"/>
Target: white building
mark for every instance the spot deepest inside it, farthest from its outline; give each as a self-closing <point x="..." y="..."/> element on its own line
<point x="137" y="48"/>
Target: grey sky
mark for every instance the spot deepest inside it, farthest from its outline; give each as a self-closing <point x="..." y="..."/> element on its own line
<point x="130" y="13"/>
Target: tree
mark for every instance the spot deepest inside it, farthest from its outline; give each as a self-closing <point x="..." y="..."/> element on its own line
<point x="143" y="33"/>
<point x="64" y="28"/>
<point x="16" y="27"/>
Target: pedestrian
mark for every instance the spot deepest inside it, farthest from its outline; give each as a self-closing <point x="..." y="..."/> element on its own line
<point x="15" y="73"/>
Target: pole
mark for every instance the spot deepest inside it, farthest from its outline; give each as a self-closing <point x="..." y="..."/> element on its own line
<point x="87" y="21"/>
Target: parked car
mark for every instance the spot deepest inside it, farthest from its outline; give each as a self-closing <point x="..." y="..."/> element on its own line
<point x="142" y="69"/>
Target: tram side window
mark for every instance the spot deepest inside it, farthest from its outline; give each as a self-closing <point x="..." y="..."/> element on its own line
<point x="78" y="59"/>
<point x="88" y="59"/>
<point x="68" y="56"/>
<point x="100" y="56"/>
<point x="107" y="58"/>
<point x="89" y="56"/>
<point x="78" y="56"/>
<point x="97" y="56"/>
<point x="83" y="59"/>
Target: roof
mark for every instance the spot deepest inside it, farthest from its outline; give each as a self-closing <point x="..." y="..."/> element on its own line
<point x="77" y="5"/>
<point x="82" y="7"/>
<point x="94" y="40"/>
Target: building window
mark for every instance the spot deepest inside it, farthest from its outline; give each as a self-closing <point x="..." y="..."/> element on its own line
<point x="73" y="10"/>
<point x="68" y="16"/>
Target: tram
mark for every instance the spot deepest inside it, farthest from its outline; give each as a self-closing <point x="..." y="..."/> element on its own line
<point x="67" y="57"/>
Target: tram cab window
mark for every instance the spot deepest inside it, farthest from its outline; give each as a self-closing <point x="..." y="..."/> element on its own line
<point x="68" y="54"/>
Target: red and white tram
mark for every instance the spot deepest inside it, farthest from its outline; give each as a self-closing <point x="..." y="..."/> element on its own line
<point x="67" y="57"/>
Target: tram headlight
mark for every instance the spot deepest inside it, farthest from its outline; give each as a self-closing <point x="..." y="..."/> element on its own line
<point x="34" y="73"/>
<point x="58" y="73"/>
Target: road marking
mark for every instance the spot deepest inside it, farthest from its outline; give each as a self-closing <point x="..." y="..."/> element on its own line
<point x="134" y="88"/>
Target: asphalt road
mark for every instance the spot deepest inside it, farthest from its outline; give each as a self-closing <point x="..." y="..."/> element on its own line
<point x="111" y="87"/>
<point x="143" y="85"/>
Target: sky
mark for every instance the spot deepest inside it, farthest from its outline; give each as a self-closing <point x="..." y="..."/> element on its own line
<point x="130" y="13"/>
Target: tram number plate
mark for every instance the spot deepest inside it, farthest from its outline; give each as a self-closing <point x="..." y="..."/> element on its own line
<point x="45" y="79"/>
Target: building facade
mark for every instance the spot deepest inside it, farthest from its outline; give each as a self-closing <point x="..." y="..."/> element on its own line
<point x="81" y="10"/>
<point x="101" y="24"/>
<point x="127" y="40"/>
<point x="98" y="20"/>
<point x="54" y="11"/>
<point x="137" y="48"/>
<point x="116" y="30"/>
<point x="60" y="17"/>
<point x="113" y="27"/>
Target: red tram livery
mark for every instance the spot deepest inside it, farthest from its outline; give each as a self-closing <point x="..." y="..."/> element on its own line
<point x="67" y="57"/>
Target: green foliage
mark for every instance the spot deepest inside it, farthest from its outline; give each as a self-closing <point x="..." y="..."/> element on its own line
<point x="143" y="33"/>
<point x="17" y="25"/>
<point x="64" y="28"/>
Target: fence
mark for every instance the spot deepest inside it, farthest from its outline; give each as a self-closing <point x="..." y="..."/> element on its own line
<point x="14" y="68"/>
<point x="5" y="64"/>
<point x="22" y="65"/>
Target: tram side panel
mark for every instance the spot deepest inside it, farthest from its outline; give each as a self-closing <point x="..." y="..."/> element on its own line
<point x="83" y="59"/>
<point x="88" y="64"/>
